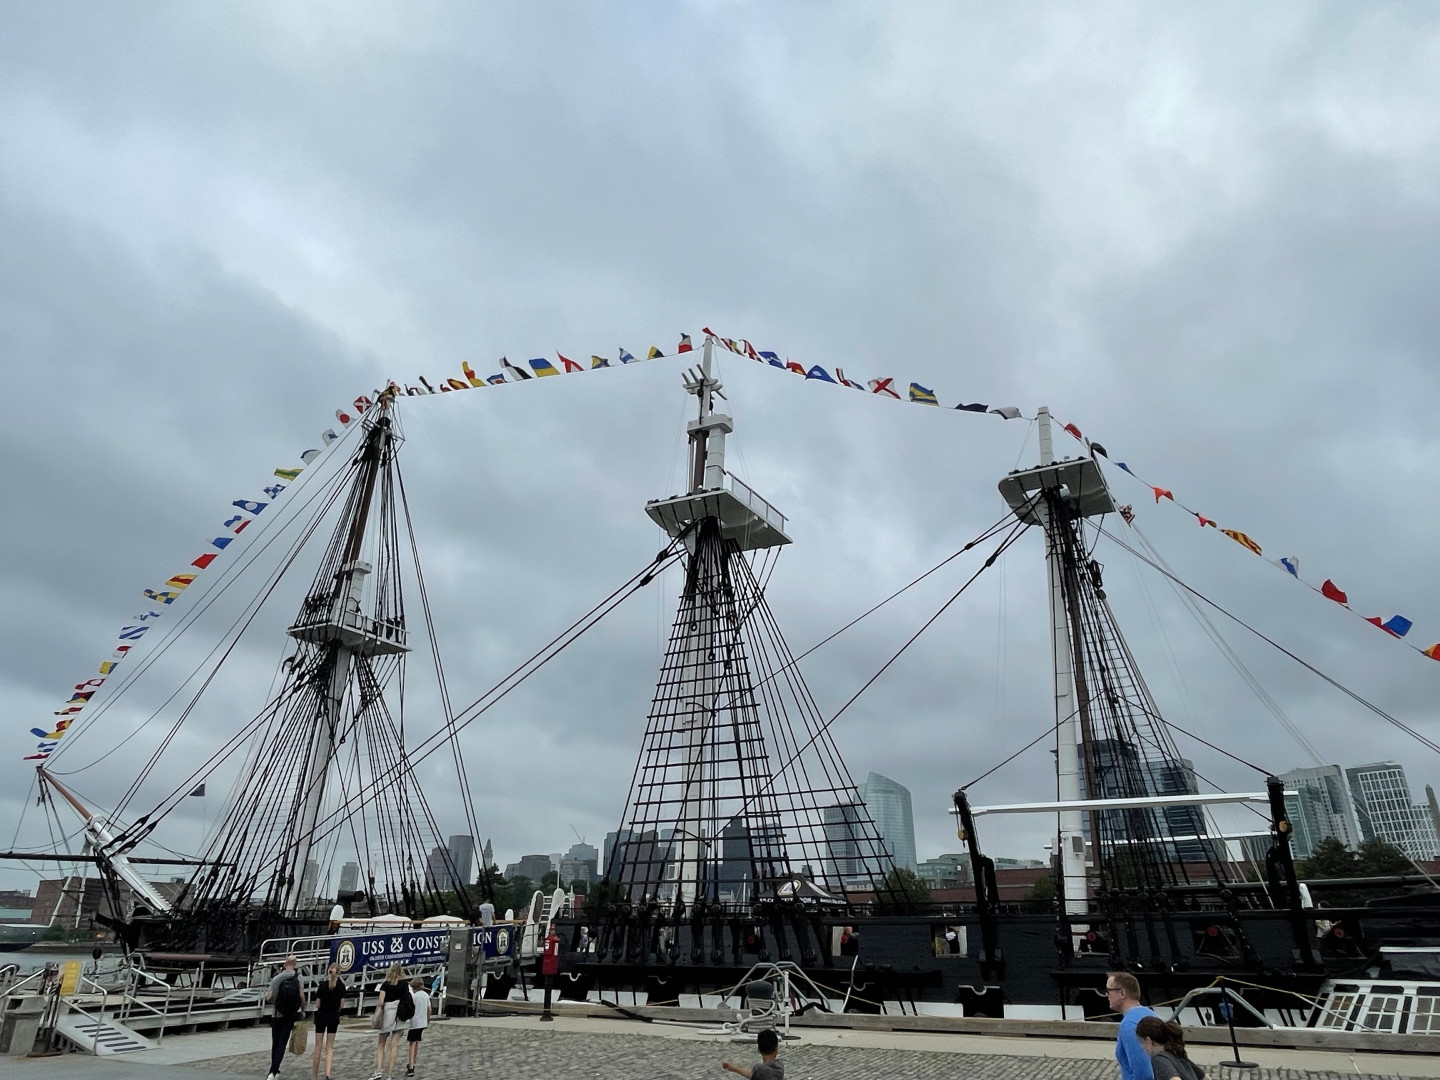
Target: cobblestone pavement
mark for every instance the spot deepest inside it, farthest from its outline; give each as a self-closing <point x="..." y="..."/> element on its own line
<point x="452" y="1052"/>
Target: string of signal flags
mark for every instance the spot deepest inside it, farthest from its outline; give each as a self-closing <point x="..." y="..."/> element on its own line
<point x="246" y="510"/>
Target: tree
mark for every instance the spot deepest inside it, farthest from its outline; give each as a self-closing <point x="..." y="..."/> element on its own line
<point x="1379" y="857"/>
<point x="580" y="886"/>
<point x="901" y="892"/>
<point x="1330" y="859"/>
<point x="549" y="882"/>
<point x="1041" y="896"/>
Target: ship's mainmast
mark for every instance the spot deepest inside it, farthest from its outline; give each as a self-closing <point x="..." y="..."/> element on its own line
<point x="748" y="526"/>
<point x="739" y="794"/>
<point x="336" y="623"/>
<point x="1056" y="495"/>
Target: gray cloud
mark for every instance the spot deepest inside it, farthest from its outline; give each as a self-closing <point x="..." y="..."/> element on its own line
<point x="1209" y="247"/>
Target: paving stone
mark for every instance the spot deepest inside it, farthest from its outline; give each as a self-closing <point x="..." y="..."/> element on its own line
<point x="456" y="1052"/>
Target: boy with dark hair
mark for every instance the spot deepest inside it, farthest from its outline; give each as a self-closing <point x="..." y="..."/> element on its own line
<point x="768" y="1043"/>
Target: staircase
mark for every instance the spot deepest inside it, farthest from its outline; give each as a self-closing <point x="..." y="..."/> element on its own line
<point x="100" y="1037"/>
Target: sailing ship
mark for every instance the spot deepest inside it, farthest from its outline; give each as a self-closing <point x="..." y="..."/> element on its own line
<point x="323" y="772"/>
<point x="744" y="839"/>
<point x="745" y="842"/>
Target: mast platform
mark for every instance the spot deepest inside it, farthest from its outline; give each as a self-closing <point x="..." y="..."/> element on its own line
<point x="359" y="633"/>
<point x="1078" y="479"/>
<point x="745" y="517"/>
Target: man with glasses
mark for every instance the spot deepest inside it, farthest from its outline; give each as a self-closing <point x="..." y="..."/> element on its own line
<point x="1123" y="992"/>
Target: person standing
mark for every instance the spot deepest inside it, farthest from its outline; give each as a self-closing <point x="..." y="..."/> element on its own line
<point x="328" y="997"/>
<point x="1123" y="992"/>
<point x="288" y="998"/>
<point x="768" y="1043"/>
<point x="394" y="1010"/>
<point x="418" y="1023"/>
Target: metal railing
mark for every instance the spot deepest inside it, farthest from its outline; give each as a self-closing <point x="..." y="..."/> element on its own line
<point x="756" y="503"/>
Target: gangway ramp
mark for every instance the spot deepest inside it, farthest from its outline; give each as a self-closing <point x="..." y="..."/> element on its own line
<point x="101" y="1037"/>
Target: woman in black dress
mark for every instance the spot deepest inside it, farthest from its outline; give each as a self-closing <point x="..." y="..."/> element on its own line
<point x="327" y="1020"/>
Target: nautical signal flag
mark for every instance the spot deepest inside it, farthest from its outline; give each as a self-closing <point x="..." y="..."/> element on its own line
<point x="1395" y="626"/>
<point x="598" y="361"/>
<point x="182" y="581"/>
<point x="162" y="597"/>
<point x="250" y="506"/>
<point x="1331" y="591"/>
<point x="1240" y="538"/>
<point x="684" y="345"/>
<point x="1433" y="652"/>
<point x="569" y="365"/>
<point x="654" y="353"/>
<point x="470" y="376"/>
<point x="1162" y="493"/>
<point x="922" y="396"/>
<point x="625" y="356"/>
<point x="510" y="369"/>
<point x="544" y="367"/>
<point x="884" y="387"/>
<point x="288" y="474"/>
<point x="818" y="372"/>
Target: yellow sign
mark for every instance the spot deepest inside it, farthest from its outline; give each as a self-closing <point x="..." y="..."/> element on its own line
<point x="69" y="977"/>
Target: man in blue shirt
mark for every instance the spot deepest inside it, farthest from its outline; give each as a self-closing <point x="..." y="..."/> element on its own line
<point x="1123" y="991"/>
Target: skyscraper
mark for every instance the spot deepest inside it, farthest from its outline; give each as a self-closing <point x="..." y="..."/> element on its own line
<point x="1321" y="806"/>
<point x="349" y="877"/>
<point x="842" y="837"/>
<point x="309" y="881"/>
<point x="889" y="806"/>
<point x="437" y="869"/>
<point x="580" y="863"/>
<point x="462" y="858"/>
<point x="1382" y="798"/>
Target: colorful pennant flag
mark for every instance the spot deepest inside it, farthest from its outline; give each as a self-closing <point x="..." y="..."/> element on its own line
<point x="654" y="353"/>
<point x="922" y="395"/>
<point x="884" y="387"/>
<point x="684" y="345"/>
<point x="287" y="474"/>
<point x="1240" y="538"/>
<point x="569" y="365"/>
<point x="543" y="367"/>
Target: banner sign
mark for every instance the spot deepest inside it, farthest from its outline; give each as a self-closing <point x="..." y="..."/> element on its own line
<point x="413" y="947"/>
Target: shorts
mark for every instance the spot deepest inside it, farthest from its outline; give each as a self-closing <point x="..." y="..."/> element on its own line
<point x="416" y="1034"/>
<point x="389" y="1025"/>
<point x="327" y="1025"/>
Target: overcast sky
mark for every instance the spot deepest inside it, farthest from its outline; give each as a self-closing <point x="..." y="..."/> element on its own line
<point x="1208" y="236"/>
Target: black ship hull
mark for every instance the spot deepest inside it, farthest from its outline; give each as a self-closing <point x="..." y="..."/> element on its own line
<point x="908" y="959"/>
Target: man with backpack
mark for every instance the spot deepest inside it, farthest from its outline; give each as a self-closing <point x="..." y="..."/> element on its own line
<point x="289" y="1001"/>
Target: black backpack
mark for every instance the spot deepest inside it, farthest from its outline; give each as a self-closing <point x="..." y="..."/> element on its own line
<point x="405" y="1007"/>
<point x="288" y="1002"/>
